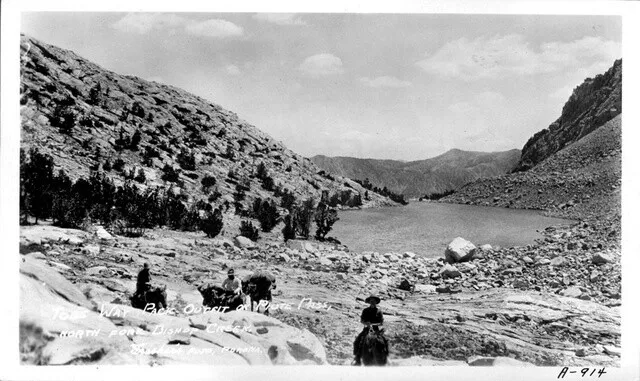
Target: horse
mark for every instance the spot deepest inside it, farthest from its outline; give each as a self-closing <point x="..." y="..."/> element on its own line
<point x="374" y="348"/>
<point x="154" y="297"/>
<point x="216" y="296"/>
<point x="258" y="287"/>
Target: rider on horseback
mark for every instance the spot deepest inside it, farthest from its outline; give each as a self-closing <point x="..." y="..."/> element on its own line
<point x="232" y="284"/>
<point x="144" y="280"/>
<point x="371" y="317"/>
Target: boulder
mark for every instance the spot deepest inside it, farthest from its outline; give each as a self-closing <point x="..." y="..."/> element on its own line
<point x="459" y="250"/>
<point x="284" y="257"/>
<point x="557" y="261"/>
<point x="406" y="285"/>
<point x="449" y="271"/>
<point x="408" y="254"/>
<point x="601" y="258"/>
<point x="244" y="242"/>
<point x="426" y="288"/>
<point x="102" y="234"/>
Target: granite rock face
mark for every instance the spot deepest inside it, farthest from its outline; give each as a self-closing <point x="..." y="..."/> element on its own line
<point x="596" y="101"/>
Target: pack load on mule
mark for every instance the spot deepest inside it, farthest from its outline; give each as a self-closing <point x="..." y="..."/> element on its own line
<point x="227" y="295"/>
<point x="148" y="297"/>
<point x="258" y="287"/>
<point x="370" y="346"/>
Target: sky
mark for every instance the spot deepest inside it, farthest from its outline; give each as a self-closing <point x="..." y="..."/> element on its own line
<point x="384" y="86"/>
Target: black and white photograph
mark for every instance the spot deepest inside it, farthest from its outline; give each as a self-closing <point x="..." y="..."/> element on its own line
<point x="343" y="190"/>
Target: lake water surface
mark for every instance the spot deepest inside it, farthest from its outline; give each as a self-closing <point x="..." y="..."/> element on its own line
<point x="425" y="228"/>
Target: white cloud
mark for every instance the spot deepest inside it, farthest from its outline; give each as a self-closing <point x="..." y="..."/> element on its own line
<point x="384" y="81"/>
<point x="321" y="65"/>
<point x="145" y="22"/>
<point x="511" y="55"/>
<point x="280" y="18"/>
<point x="215" y="28"/>
<point x="232" y="70"/>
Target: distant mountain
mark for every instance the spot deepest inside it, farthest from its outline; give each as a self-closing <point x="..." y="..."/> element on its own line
<point x="416" y="178"/>
<point x="91" y="119"/>
<point x="596" y="101"/>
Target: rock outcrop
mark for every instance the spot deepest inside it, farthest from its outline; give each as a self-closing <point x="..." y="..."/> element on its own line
<point x="60" y="326"/>
<point x="596" y="101"/>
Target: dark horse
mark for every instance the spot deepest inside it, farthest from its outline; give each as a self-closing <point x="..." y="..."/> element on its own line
<point x="374" y="348"/>
<point x="151" y="299"/>
<point x="216" y="296"/>
<point x="258" y="287"/>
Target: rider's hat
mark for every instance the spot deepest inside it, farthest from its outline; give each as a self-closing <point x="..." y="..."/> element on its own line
<point x="230" y="272"/>
<point x="372" y="299"/>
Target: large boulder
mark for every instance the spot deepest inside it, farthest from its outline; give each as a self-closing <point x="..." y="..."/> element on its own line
<point x="244" y="242"/>
<point x="459" y="250"/>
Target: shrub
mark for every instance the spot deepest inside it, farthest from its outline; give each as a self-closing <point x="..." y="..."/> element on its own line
<point x="187" y="160"/>
<point x="36" y="177"/>
<point x="288" y="200"/>
<point x="135" y="140"/>
<point x="212" y="224"/>
<point x="302" y="218"/>
<point x="140" y="177"/>
<point x="170" y="174"/>
<point x="137" y="110"/>
<point x="289" y="229"/>
<point x="118" y="165"/>
<point x="95" y="94"/>
<point x="207" y="183"/>
<point x="267" y="214"/>
<point x="63" y="117"/>
<point x="248" y="230"/>
<point x="324" y="217"/>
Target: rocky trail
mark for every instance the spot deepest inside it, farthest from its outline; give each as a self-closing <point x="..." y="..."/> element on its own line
<point x="543" y="304"/>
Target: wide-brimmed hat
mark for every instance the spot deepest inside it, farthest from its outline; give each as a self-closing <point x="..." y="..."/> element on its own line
<point x="372" y="299"/>
<point x="230" y="272"/>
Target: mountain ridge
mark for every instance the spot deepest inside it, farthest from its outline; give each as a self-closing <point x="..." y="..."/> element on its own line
<point x="446" y="171"/>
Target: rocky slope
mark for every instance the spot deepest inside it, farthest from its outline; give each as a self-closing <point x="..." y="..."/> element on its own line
<point x="417" y="178"/>
<point x="593" y="103"/>
<point x="553" y="303"/>
<point x="581" y="181"/>
<point x="85" y="116"/>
